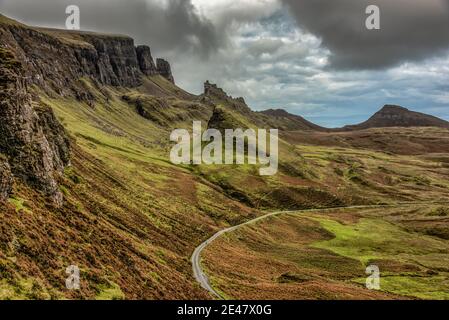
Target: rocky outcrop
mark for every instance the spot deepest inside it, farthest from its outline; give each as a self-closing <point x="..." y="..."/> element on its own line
<point x="113" y="60"/>
<point x="146" y="62"/>
<point x="211" y="89"/>
<point x="215" y="95"/>
<point x="107" y="60"/>
<point x="34" y="144"/>
<point x="6" y="179"/>
<point x="164" y="69"/>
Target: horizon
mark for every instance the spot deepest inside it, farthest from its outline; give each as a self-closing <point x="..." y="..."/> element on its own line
<point x="266" y="56"/>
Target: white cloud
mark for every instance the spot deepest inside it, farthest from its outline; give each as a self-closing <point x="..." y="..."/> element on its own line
<point x="223" y="12"/>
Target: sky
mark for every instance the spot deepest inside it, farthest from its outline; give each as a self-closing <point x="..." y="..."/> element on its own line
<point x="314" y="58"/>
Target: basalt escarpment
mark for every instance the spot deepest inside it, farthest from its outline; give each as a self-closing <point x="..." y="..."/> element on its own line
<point x="164" y="69"/>
<point x="33" y="145"/>
<point x="149" y="68"/>
<point x="106" y="59"/>
<point x="146" y="62"/>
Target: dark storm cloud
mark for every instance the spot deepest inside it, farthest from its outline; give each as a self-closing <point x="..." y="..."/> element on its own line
<point x="410" y="30"/>
<point x="172" y="25"/>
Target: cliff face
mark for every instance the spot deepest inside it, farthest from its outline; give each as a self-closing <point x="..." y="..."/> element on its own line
<point x="6" y="179"/>
<point x="109" y="60"/>
<point x="146" y="62"/>
<point x="164" y="69"/>
<point x="33" y="145"/>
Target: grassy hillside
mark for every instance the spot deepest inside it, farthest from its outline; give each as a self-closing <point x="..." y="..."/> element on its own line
<point x="131" y="219"/>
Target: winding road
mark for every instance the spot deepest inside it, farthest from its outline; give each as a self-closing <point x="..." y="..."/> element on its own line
<point x="203" y="279"/>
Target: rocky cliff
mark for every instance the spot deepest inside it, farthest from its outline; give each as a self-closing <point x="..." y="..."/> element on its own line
<point x="108" y="59"/>
<point x="33" y="145"/>
<point x="164" y="69"/>
<point x="6" y="179"/>
<point x="146" y="62"/>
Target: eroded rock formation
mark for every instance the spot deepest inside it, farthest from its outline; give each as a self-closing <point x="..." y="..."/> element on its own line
<point x="146" y="62"/>
<point x="33" y="145"/>
<point x="108" y="59"/>
<point x="215" y="95"/>
<point x="164" y="69"/>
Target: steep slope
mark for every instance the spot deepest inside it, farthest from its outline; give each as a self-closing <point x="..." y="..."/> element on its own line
<point x="126" y="216"/>
<point x="107" y="59"/>
<point x="33" y="144"/>
<point x="281" y="119"/>
<point x="396" y="116"/>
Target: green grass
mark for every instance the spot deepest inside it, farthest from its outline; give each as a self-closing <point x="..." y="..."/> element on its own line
<point x="19" y="204"/>
<point x="122" y="177"/>
<point x="435" y="287"/>
<point x="371" y="239"/>
<point x="374" y="239"/>
<point x="110" y="292"/>
<point x="422" y="287"/>
<point x="23" y="289"/>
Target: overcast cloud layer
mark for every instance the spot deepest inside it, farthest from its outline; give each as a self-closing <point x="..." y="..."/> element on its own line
<point x="410" y="30"/>
<point x="311" y="57"/>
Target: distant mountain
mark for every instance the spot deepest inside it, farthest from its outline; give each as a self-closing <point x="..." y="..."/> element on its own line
<point x="287" y="121"/>
<point x="396" y="116"/>
<point x="388" y="116"/>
